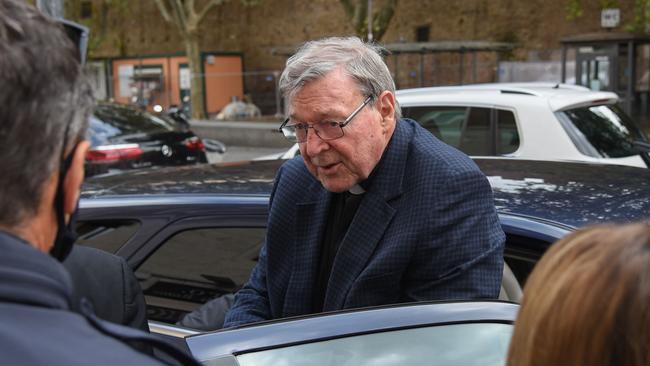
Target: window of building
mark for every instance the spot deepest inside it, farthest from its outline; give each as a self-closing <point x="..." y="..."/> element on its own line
<point x="86" y="9"/>
<point x="422" y="33"/>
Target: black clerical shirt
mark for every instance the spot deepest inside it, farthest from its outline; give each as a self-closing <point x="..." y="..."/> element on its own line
<point x="342" y="210"/>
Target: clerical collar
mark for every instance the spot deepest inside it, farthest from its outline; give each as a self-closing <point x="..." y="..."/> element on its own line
<point x="357" y="190"/>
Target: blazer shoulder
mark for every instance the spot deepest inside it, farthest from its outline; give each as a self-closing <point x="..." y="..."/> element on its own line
<point x="427" y="150"/>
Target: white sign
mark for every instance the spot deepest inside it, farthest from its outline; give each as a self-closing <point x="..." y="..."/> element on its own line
<point x="184" y="75"/>
<point x="610" y="18"/>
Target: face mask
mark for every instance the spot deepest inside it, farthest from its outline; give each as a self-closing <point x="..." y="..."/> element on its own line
<point x="66" y="235"/>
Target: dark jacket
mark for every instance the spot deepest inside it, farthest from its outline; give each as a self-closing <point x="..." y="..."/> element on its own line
<point x="37" y="326"/>
<point x="108" y="282"/>
<point x="426" y="229"/>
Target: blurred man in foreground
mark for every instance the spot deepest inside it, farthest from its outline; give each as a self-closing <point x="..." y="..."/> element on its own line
<point x="44" y="107"/>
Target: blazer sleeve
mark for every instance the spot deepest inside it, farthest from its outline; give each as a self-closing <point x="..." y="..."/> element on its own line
<point x="252" y="302"/>
<point x="460" y="256"/>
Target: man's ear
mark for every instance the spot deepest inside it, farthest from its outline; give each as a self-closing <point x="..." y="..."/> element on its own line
<point x="74" y="178"/>
<point x="386" y="107"/>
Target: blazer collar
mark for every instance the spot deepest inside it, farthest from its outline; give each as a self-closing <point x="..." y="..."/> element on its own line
<point x="387" y="177"/>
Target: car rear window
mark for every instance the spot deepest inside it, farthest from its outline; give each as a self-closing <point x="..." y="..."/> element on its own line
<point x="113" y="121"/>
<point x="601" y="131"/>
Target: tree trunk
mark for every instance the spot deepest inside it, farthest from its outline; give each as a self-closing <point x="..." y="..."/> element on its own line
<point x="357" y="13"/>
<point x="197" y="82"/>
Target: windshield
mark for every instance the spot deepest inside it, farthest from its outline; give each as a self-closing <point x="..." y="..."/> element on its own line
<point x="482" y="344"/>
<point x="601" y="131"/>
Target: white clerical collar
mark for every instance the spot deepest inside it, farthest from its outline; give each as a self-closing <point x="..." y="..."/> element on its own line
<point x="357" y="189"/>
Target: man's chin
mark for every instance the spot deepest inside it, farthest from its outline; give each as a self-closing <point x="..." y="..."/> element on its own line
<point x="336" y="185"/>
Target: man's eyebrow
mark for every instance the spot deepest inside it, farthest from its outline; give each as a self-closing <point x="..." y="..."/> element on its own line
<point x="322" y="117"/>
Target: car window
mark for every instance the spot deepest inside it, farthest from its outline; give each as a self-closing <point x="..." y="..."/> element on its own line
<point x="446" y="123"/>
<point x="602" y="131"/>
<point x="482" y="344"/>
<point x="106" y="235"/>
<point x="194" y="266"/>
<point x="118" y="120"/>
<point x="476" y="138"/>
<point x="507" y="132"/>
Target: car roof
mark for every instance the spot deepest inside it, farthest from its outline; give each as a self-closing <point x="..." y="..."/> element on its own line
<point x="568" y="194"/>
<point x="240" y="178"/>
<point x="558" y="96"/>
<point x="291" y="331"/>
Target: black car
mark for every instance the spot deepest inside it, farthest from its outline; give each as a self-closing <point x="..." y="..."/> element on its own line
<point x="193" y="233"/>
<point x="124" y="137"/>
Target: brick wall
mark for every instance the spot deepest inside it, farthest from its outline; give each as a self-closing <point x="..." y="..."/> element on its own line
<point x="536" y="26"/>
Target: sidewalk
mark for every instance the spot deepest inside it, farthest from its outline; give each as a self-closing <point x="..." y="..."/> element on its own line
<point x="242" y="133"/>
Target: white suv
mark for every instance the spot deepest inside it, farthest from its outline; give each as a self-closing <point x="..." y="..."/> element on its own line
<point x="538" y="121"/>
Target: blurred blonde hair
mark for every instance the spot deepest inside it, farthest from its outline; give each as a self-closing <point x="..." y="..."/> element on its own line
<point x="587" y="301"/>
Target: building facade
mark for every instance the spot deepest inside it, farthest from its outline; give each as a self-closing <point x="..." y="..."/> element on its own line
<point x="134" y="29"/>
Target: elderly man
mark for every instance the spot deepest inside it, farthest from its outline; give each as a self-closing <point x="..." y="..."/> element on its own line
<point x="43" y="119"/>
<point x="377" y="210"/>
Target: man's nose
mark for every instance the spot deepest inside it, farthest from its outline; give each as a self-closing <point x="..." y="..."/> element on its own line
<point x="314" y="145"/>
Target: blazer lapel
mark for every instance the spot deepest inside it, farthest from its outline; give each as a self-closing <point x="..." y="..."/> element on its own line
<point x="371" y="220"/>
<point x="310" y="223"/>
<point x="365" y="231"/>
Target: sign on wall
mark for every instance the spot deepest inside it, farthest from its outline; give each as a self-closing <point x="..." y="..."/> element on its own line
<point x="610" y="18"/>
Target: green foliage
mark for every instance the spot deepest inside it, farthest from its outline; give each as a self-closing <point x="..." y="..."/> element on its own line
<point x="574" y="10"/>
<point x="608" y="4"/>
<point x="641" y="17"/>
<point x="100" y="35"/>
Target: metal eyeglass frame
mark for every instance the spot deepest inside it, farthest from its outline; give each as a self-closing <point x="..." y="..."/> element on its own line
<point x="289" y="131"/>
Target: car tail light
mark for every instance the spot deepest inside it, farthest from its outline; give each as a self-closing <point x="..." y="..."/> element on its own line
<point x="111" y="153"/>
<point x="194" y="143"/>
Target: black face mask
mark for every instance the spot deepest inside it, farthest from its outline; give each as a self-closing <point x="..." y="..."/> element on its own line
<point x="66" y="235"/>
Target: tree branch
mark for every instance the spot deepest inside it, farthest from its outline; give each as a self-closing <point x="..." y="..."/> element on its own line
<point x="207" y="8"/>
<point x="382" y="20"/>
<point x="360" y="18"/>
<point x="180" y="16"/>
<point x="163" y="10"/>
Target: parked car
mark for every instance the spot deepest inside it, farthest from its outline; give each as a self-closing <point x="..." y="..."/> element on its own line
<point x="124" y="137"/>
<point x="537" y="121"/>
<point x="193" y="233"/>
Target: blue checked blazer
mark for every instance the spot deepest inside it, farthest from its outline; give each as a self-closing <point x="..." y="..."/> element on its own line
<point x="426" y="229"/>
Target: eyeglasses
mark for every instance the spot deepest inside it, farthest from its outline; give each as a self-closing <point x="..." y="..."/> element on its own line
<point x="325" y="130"/>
